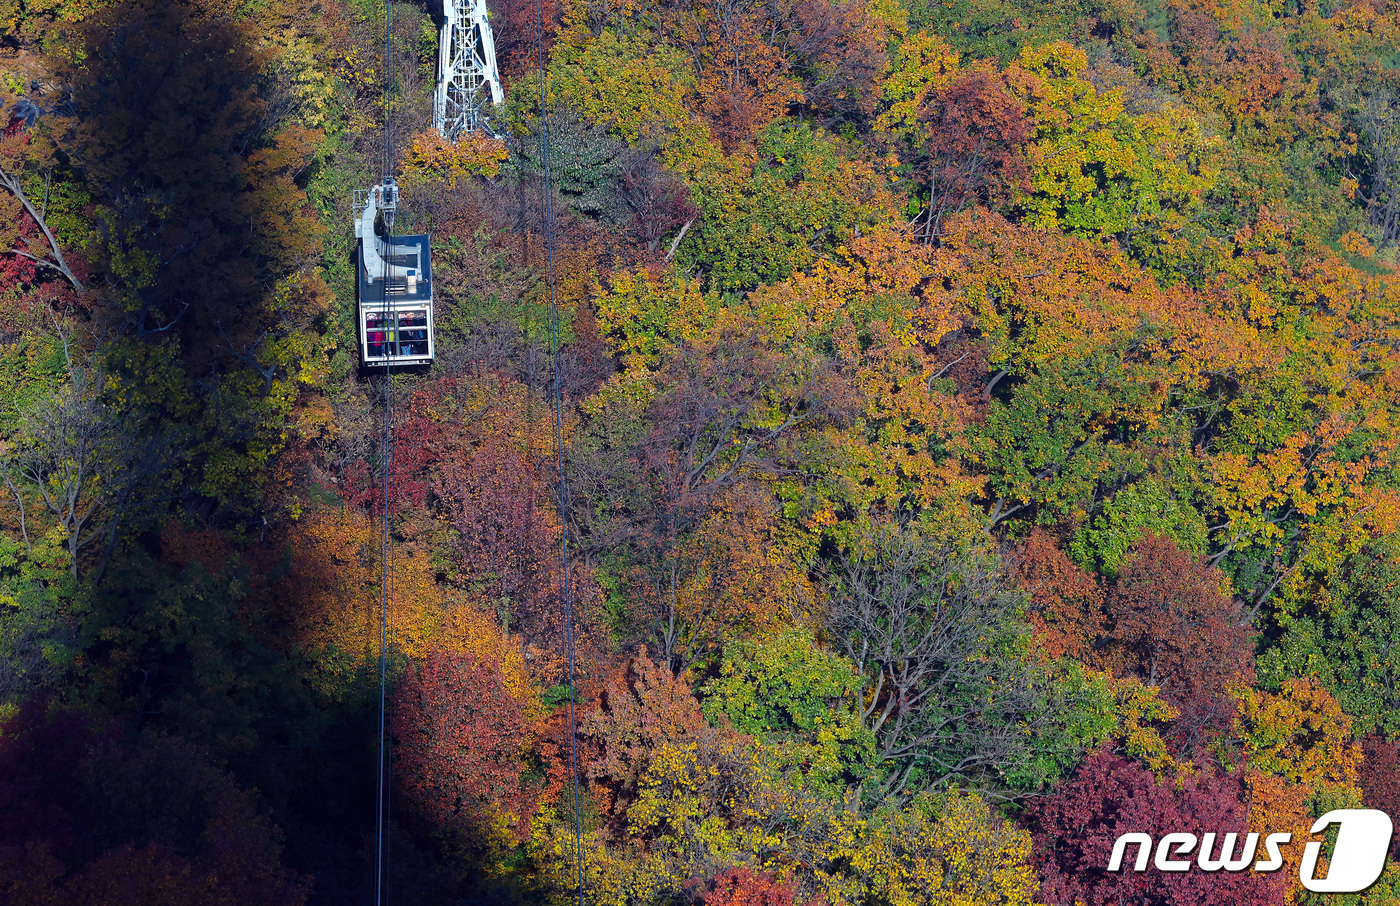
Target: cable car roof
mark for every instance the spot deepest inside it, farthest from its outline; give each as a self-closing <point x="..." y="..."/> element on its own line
<point x="402" y="253"/>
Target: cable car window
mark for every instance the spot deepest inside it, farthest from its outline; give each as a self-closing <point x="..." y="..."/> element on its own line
<point x="374" y="335"/>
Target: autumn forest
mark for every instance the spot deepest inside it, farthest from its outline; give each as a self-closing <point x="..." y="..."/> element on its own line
<point x="965" y="431"/>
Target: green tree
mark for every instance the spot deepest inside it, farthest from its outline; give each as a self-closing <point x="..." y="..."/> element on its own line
<point x="77" y="461"/>
<point x="37" y="618"/>
<point x="805" y="196"/>
<point x="799" y="698"/>
<point x="190" y="647"/>
<point x="1102" y="543"/>
<point x="1350" y="641"/>
<point x="1100" y="171"/>
<point x="950" y="691"/>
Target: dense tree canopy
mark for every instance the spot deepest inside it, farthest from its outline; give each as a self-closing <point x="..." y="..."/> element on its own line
<point x="976" y="438"/>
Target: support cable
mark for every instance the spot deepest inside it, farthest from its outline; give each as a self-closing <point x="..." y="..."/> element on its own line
<point x="559" y="442"/>
<point x="390" y="339"/>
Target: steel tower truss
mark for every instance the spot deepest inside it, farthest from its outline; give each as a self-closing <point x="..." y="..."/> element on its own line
<point x="467" y="76"/>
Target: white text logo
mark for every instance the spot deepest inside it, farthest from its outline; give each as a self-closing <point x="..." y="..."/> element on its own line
<point x="1358" y="858"/>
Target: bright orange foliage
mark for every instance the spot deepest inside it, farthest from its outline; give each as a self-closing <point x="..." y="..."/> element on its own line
<point x="1066" y="602"/>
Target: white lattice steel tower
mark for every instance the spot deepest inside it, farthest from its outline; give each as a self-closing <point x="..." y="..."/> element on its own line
<point x="467" y="76"/>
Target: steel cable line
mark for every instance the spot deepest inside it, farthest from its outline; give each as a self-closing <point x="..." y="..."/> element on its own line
<point x="381" y="831"/>
<point x="548" y="209"/>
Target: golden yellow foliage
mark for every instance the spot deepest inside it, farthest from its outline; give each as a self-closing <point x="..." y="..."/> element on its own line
<point x="1300" y="759"/>
<point x="642" y="315"/>
<point x="1139" y="708"/>
<point x="432" y="158"/>
<point x="466" y="628"/>
<point x="333" y="592"/>
<point x="949" y="850"/>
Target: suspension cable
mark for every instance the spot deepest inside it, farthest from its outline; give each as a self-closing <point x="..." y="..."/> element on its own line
<point x="390" y="340"/>
<point x="559" y="441"/>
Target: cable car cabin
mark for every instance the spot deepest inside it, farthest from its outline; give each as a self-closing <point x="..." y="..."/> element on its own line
<point x="395" y="289"/>
<point x="396" y="306"/>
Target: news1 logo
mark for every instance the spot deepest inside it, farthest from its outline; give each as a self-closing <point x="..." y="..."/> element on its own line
<point x="1357" y="860"/>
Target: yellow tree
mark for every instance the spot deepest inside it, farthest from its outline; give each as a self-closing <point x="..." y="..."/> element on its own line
<point x="948" y="849"/>
<point x="1300" y="759"/>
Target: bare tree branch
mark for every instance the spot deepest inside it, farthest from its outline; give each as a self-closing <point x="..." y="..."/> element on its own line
<point x="676" y="243"/>
<point x="935" y="635"/>
<point x="59" y="264"/>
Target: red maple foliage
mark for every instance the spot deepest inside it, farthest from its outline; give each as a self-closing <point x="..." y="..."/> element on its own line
<point x="518" y="37"/>
<point x="1380" y="778"/>
<point x="745" y="887"/>
<point x="642" y="708"/>
<point x="1075" y="830"/>
<point x="24" y="282"/>
<point x="459" y="738"/>
<point x="506" y="541"/>
<point x="1066" y="602"/>
<point x="1175" y="625"/>
<point x="978" y="133"/>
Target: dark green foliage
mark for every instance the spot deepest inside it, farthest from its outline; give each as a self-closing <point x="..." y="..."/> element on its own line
<point x="1351" y="642"/>
<point x="584" y="163"/>
<point x="191" y="647"/>
<point x="37" y="620"/>
<point x="1050" y="442"/>
<point x="1001" y="28"/>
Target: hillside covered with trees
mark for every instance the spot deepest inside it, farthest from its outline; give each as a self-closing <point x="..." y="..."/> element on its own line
<point x="980" y="438"/>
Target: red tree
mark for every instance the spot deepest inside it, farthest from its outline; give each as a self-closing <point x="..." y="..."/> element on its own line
<point x="746" y="887"/>
<point x="977" y="132"/>
<point x="460" y="735"/>
<point x="1175" y="625"/>
<point x="642" y="708"/>
<point x="506" y="539"/>
<point x="1380" y="778"/>
<point x="1066" y="602"/>
<point x="1074" y="833"/>
<point x="516" y="32"/>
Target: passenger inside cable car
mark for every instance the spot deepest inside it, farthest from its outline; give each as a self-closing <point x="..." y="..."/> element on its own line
<point x="374" y="335"/>
<point x="414" y="340"/>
